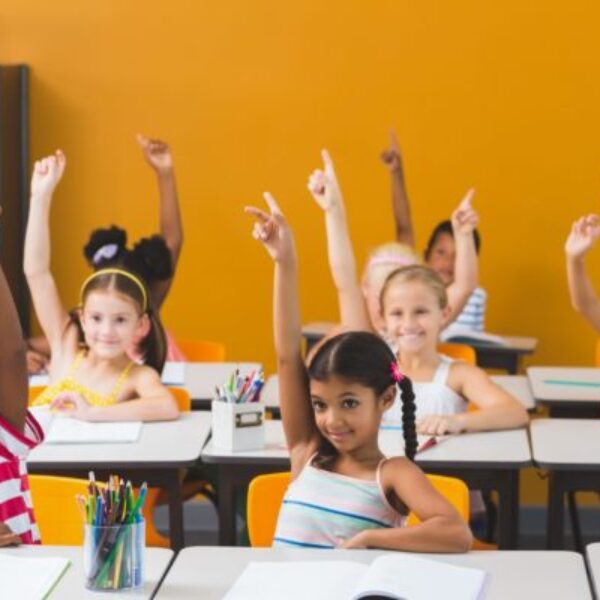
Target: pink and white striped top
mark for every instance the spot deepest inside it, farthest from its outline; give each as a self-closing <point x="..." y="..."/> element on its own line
<point x="16" y="509"/>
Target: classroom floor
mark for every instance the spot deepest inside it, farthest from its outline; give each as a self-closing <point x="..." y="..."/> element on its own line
<point x="200" y="520"/>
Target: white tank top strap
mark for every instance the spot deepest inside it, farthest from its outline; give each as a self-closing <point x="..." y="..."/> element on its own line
<point x="443" y="371"/>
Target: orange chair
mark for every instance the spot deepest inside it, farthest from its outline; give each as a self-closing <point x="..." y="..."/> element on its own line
<point x="56" y="511"/>
<point x="34" y="392"/>
<point x="202" y="350"/>
<point x="266" y="492"/>
<point x="458" y="352"/>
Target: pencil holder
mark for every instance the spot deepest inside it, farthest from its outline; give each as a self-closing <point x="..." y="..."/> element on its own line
<point x="238" y="426"/>
<point x="113" y="556"/>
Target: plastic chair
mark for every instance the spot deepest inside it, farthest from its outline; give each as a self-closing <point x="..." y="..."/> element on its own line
<point x="56" y="511"/>
<point x="266" y="492"/>
<point x="202" y="350"/>
<point x="34" y="392"/>
<point x="458" y="352"/>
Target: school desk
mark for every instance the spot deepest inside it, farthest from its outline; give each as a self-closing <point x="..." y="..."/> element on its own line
<point x="517" y="385"/>
<point x="570" y="450"/>
<point x="208" y="573"/>
<point x="489" y="356"/>
<point x="592" y="552"/>
<point x="485" y="461"/>
<point x="72" y="584"/>
<point x="567" y="391"/>
<point x="158" y="457"/>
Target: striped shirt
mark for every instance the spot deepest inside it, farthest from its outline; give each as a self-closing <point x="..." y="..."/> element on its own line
<point x="321" y="509"/>
<point x="16" y="509"/>
<point x="473" y="314"/>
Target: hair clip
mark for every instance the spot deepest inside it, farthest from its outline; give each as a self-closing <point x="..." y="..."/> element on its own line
<point x="107" y="252"/>
<point x="397" y="375"/>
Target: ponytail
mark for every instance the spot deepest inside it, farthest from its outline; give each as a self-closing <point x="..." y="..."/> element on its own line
<point x="154" y="346"/>
<point x="409" y="429"/>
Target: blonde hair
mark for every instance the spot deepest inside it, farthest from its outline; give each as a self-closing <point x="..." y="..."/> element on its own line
<point x="391" y="255"/>
<point x="421" y="274"/>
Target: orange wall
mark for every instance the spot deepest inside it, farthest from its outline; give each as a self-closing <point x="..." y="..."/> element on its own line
<point x="503" y="97"/>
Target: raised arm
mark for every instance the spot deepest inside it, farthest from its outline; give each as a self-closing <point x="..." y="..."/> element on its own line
<point x="13" y="369"/>
<point x="296" y="410"/>
<point x="158" y="155"/>
<point x="325" y="189"/>
<point x="466" y="265"/>
<point x="584" y="300"/>
<point x="44" y="293"/>
<point x="392" y="159"/>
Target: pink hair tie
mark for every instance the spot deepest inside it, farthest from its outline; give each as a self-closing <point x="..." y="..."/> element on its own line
<point x="397" y="376"/>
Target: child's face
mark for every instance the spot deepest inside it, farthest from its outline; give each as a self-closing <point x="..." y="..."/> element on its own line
<point x="412" y="316"/>
<point x="441" y="257"/>
<point x="111" y="323"/>
<point x="348" y="414"/>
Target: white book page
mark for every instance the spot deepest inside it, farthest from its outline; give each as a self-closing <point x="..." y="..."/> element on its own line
<point x="454" y="331"/>
<point x="402" y="576"/>
<point x="298" y="580"/>
<point x="29" y="578"/>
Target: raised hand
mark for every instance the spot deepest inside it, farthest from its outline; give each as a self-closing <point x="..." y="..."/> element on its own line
<point x="391" y="156"/>
<point x="156" y="152"/>
<point x="323" y="184"/>
<point x="273" y="230"/>
<point x="584" y="233"/>
<point x="465" y="218"/>
<point x="47" y="172"/>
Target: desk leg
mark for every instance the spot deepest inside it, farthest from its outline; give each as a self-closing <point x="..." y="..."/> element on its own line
<point x="508" y="510"/>
<point x="555" y="517"/>
<point x="175" y="510"/>
<point x="226" y="507"/>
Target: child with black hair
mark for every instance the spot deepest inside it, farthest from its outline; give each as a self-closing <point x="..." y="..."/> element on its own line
<point x="91" y="374"/>
<point x="344" y="492"/>
<point x="441" y="252"/>
<point x="19" y="431"/>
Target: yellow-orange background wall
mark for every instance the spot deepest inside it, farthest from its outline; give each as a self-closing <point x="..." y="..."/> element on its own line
<point x="501" y="96"/>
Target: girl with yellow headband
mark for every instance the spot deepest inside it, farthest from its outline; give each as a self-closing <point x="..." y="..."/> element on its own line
<point x="91" y="373"/>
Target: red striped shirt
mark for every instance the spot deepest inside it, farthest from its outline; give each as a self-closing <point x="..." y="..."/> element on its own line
<point x="16" y="509"/>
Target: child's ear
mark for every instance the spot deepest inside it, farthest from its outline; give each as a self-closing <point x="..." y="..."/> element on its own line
<point x="143" y="329"/>
<point x="388" y="397"/>
<point x="446" y="316"/>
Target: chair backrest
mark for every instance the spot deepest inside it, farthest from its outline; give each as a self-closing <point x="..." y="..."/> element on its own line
<point x="182" y="397"/>
<point x="34" y="392"/>
<point x="266" y="493"/>
<point x="202" y="350"/>
<point x="458" y="352"/>
<point x="55" y="508"/>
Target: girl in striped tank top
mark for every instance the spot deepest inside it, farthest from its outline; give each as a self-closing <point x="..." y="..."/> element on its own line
<point x="344" y="492"/>
<point x="19" y="431"/>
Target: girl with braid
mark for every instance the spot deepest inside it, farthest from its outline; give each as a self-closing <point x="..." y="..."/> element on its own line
<point x="344" y="492"/>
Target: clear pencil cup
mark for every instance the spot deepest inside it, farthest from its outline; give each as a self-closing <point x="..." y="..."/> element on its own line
<point x="113" y="556"/>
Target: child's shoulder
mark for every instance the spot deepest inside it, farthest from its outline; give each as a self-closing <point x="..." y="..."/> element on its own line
<point x="143" y="374"/>
<point x="461" y="372"/>
<point x="395" y="466"/>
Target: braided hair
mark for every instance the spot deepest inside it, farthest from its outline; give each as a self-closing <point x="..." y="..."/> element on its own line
<point x="366" y="359"/>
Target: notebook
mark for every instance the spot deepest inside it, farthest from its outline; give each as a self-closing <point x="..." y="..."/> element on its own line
<point x="30" y="578"/>
<point x="396" y="576"/>
<point x="463" y="335"/>
<point x="59" y="429"/>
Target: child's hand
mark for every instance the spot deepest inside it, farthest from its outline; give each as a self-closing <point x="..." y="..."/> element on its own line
<point x="356" y="542"/>
<point x="464" y="218"/>
<point x="156" y="152"/>
<point x="391" y="156"/>
<point x="273" y="231"/>
<point x="47" y="172"/>
<point x="584" y="233"/>
<point x="323" y="184"/>
<point x="440" y="425"/>
<point x="7" y="537"/>
<point x="72" y="404"/>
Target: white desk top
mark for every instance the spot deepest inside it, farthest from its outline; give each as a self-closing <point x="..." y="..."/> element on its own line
<point x="517" y="385"/>
<point x="565" y="384"/>
<point x="496" y="449"/>
<point x="566" y="443"/>
<point x="593" y="559"/>
<point x="207" y="573"/>
<point x="72" y="584"/>
<point x="161" y="444"/>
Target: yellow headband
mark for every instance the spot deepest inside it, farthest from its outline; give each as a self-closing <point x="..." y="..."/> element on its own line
<point x="127" y="274"/>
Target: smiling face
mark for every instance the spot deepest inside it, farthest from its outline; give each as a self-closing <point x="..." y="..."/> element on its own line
<point x="348" y="414"/>
<point x="111" y="323"/>
<point x="441" y="257"/>
<point x="413" y="315"/>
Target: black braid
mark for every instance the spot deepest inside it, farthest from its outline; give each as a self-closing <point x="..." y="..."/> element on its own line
<point x="409" y="428"/>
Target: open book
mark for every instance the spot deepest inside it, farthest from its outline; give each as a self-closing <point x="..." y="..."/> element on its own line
<point x="59" y="429"/>
<point x="463" y="335"/>
<point x="396" y="576"/>
<point x="29" y="578"/>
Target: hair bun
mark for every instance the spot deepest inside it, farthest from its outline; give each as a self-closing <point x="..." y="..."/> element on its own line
<point x="151" y="258"/>
<point x="105" y="246"/>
